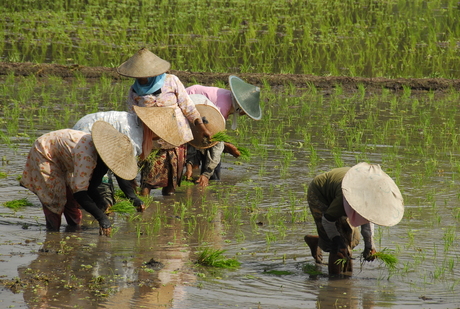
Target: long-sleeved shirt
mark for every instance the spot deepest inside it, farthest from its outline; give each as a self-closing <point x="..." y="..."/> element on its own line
<point x="172" y="94"/>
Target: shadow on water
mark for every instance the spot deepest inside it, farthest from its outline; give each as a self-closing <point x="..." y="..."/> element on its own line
<point x="258" y="214"/>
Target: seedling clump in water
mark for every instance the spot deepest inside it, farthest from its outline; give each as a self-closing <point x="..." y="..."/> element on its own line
<point x="215" y="258"/>
<point x="17" y="204"/>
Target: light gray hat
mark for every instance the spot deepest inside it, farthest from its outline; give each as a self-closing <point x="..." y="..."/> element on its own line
<point x="143" y="64"/>
<point x="373" y="194"/>
<point x="247" y="96"/>
<point x="212" y="119"/>
<point x="115" y="149"/>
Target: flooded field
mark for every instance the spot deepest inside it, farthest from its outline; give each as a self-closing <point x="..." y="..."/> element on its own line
<point x="258" y="213"/>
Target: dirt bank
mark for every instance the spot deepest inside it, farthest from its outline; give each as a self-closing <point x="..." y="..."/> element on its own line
<point x="275" y="80"/>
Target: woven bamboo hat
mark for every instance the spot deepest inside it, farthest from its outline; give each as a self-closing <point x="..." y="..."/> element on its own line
<point x="162" y="121"/>
<point x="247" y="96"/>
<point x="115" y="149"/>
<point x="212" y="119"/>
<point x="143" y="64"/>
<point x="373" y="194"/>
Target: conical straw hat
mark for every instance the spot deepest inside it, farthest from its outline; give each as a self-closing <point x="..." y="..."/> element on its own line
<point x="210" y="114"/>
<point x="247" y="96"/>
<point x="163" y="122"/>
<point x="143" y="64"/>
<point x="373" y="194"/>
<point x="115" y="149"/>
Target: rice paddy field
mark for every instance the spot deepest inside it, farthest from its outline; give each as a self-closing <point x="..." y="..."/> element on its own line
<point x="258" y="214"/>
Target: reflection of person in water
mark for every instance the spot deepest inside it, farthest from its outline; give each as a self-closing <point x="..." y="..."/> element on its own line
<point x="343" y="294"/>
<point x="343" y="199"/>
<point x="63" y="273"/>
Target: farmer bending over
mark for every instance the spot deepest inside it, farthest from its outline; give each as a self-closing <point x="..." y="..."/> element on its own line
<point x="343" y="199"/>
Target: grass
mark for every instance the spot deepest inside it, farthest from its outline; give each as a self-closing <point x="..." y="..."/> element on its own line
<point x="215" y="258"/>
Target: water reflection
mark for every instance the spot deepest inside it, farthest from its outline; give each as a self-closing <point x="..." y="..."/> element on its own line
<point x="300" y="136"/>
<point x="343" y="293"/>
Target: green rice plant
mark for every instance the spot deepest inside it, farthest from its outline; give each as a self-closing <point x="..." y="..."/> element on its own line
<point x="311" y="269"/>
<point x="16" y="205"/>
<point x="222" y="136"/>
<point x="123" y="207"/>
<point x="278" y="272"/>
<point x="245" y="154"/>
<point x="215" y="258"/>
<point x="388" y="259"/>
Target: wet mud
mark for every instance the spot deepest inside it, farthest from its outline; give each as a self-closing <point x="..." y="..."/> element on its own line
<point x="300" y="81"/>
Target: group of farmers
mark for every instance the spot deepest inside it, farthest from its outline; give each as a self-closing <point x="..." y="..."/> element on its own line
<point x="167" y="129"/>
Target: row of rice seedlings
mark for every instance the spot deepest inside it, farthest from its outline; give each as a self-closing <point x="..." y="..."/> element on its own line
<point x="336" y="36"/>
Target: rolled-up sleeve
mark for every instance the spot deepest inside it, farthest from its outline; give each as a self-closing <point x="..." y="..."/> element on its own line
<point x="213" y="159"/>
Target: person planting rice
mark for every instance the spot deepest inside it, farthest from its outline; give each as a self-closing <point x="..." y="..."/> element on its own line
<point x="159" y="120"/>
<point x="65" y="167"/>
<point x="154" y="88"/>
<point x="206" y="153"/>
<point x="242" y="99"/>
<point x="344" y="198"/>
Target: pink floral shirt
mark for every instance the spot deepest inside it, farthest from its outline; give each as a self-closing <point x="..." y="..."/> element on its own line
<point x="59" y="158"/>
<point x="172" y="94"/>
<point x="222" y="98"/>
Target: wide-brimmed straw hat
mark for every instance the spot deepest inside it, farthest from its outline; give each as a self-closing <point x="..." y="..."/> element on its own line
<point x="373" y="194"/>
<point x="143" y="64"/>
<point x="247" y="96"/>
<point x="115" y="149"/>
<point x="212" y="119"/>
<point x="162" y="121"/>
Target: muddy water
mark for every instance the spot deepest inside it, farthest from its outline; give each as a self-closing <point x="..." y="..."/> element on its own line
<point x="258" y="214"/>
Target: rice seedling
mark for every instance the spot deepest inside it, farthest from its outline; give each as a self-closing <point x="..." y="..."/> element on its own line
<point x="402" y="47"/>
<point x="311" y="269"/>
<point x="123" y="207"/>
<point x="388" y="259"/>
<point x="16" y="205"/>
<point x="215" y="258"/>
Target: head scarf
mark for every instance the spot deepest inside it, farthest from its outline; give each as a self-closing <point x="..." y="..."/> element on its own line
<point x="153" y="84"/>
<point x="354" y="218"/>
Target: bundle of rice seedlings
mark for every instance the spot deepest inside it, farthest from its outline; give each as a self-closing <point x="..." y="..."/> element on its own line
<point x="17" y="204"/>
<point x="215" y="258"/>
<point x="244" y="153"/>
<point x="151" y="158"/>
<point x="388" y="259"/>
<point x="222" y="137"/>
<point x="123" y="207"/>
